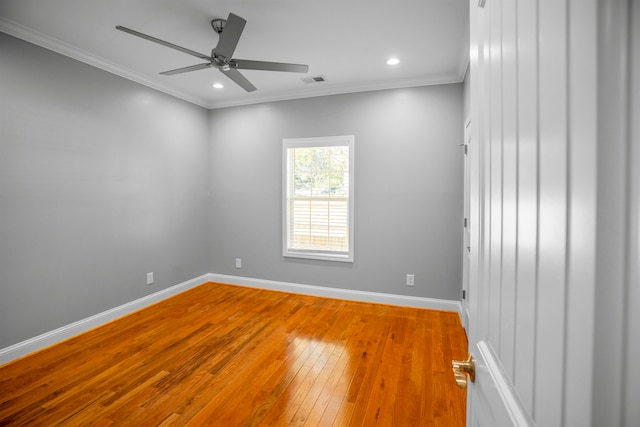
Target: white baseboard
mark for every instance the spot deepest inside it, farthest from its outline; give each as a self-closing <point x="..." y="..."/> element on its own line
<point x="57" y="335"/>
<point x="60" y="334"/>
<point x="347" y="294"/>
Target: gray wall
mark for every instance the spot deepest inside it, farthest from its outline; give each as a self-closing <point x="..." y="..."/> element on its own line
<point x="408" y="189"/>
<point x="101" y="181"/>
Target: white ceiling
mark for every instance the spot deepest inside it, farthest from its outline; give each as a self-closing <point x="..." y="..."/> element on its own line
<point x="346" y="41"/>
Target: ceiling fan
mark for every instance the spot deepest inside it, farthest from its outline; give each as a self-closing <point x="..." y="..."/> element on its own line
<point x="221" y="57"/>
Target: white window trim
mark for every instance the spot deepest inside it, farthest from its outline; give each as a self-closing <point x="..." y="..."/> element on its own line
<point x="347" y="140"/>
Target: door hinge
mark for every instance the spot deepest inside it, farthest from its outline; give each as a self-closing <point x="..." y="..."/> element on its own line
<point x="466" y="149"/>
<point x="464" y="294"/>
<point x="465" y="223"/>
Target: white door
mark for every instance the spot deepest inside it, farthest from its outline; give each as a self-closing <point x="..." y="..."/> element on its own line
<point x="533" y="172"/>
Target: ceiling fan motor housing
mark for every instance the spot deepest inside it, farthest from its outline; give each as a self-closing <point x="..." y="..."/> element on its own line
<point x="219" y="61"/>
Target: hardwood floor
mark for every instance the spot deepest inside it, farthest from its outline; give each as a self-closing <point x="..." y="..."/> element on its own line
<point x="233" y="356"/>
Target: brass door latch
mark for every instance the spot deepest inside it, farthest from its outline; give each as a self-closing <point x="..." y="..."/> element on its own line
<point x="462" y="368"/>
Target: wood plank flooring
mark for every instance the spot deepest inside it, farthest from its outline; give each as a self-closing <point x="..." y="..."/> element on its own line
<point x="222" y="355"/>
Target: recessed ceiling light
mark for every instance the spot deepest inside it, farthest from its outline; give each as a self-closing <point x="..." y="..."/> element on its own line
<point x="218" y="85"/>
<point x="393" y="61"/>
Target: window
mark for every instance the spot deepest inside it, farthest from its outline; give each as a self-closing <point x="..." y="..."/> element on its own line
<point x="318" y="198"/>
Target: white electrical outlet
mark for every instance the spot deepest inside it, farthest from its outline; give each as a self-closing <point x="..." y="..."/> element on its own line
<point x="149" y="278"/>
<point x="410" y="279"/>
<point x="238" y="263"/>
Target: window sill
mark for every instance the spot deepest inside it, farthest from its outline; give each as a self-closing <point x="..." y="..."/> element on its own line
<point x="339" y="257"/>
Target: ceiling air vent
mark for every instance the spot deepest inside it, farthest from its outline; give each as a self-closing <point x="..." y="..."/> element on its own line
<point x="314" y="79"/>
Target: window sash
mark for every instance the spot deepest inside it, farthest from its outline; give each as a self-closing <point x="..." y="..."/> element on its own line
<point x="319" y="223"/>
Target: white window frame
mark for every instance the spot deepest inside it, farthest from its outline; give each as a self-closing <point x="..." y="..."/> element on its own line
<point x="347" y="140"/>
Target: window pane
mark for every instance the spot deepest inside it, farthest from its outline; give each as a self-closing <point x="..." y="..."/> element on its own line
<point x="320" y="171"/>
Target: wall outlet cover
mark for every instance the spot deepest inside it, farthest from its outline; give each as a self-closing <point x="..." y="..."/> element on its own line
<point x="410" y="279"/>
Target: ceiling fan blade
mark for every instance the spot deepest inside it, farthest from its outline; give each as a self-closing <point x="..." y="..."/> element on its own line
<point x="246" y="64"/>
<point x="164" y="43"/>
<point x="239" y="79"/>
<point x="187" y="69"/>
<point x="230" y="36"/>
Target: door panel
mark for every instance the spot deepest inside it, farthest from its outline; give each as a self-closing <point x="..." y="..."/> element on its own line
<point x="526" y="198"/>
<point x="582" y="216"/>
<point x="494" y="146"/>
<point x="632" y="390"/>
<point x="509" y="188"/>
<point x="552" y="211"/>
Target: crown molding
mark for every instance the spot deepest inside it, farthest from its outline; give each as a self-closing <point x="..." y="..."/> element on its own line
<point x="340" y="90"/>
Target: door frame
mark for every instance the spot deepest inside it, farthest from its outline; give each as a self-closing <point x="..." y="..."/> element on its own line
<point x="466" y="231"/>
